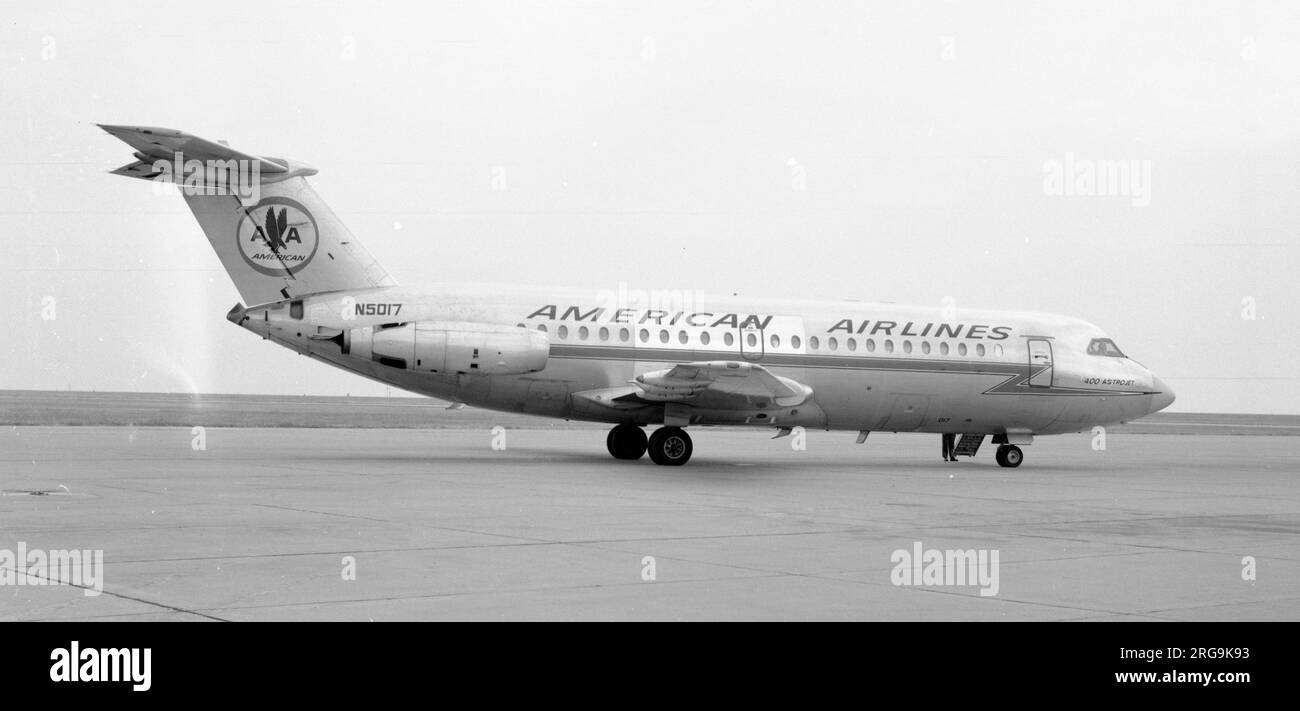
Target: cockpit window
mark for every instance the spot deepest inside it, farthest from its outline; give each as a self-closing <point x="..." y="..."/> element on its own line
<point x="1104" y="347"/>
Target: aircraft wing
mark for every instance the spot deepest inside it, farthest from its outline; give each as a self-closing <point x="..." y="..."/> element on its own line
<point x="722" y="385"/>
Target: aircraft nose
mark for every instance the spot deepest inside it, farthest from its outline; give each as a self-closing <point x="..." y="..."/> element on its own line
<point x="1164" y="396"/>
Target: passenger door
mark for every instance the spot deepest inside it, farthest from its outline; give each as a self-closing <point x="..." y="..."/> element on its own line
<point x="1040" y="363"/>
<point x="751" y="343"/>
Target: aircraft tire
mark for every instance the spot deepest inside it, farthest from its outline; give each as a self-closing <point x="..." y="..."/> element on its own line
<point x="626" y="442"/>
<point x="670" y="446"/>
<point x="1010" y="456"/>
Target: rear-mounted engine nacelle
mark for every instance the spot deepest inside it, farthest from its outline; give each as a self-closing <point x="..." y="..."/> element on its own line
<point x="451" y="347"/>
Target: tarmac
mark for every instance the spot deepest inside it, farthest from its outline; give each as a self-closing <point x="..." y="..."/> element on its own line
<point x="276" y="523"/>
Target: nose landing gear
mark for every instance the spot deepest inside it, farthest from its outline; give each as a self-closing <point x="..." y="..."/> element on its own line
<point x="1009" y="455"/>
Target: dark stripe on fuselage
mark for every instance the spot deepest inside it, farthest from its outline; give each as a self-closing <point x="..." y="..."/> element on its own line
<point x="1016" y="383"/>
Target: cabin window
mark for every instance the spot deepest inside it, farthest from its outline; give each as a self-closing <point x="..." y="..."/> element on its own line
<point x="775" y="341"/>
<point x="832" y="344"/>
<point x="295" y="310"/>
<point x="889" y="345"/>
<point x="979" y="350"/>
<point x="943" y="349"/>
<point x="813" y="343"/>
<point x="705" y="338"/>
<point x="751" y="339"/>
<point x="795" y="342"/>
<point x="520" y="325"/>
<point x="645" y="336"/>
<point x="1104" y="347"/>
<point x="925" y="347"/>
<point x="997" y="350"/>
<point x="852" y="344"/>
<point x="583" y="333"/>
<point x="541" y="327"/>
<point x="562" y="331"/>
<point x="624" y="334"/>
<point x="682" y="337"/>
<point x="871" y="345"/>
<point x="604" y="334"/>
<point x="728" y="339"/>
<point x="907" y="346"/>
<point x="961" y="349"/>
<point x="663" y="335"/>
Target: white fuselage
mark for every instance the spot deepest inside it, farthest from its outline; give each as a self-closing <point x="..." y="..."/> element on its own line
<point x="870" y="366"/>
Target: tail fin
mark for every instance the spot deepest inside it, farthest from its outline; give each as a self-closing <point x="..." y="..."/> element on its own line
<point x="274" y="235"/>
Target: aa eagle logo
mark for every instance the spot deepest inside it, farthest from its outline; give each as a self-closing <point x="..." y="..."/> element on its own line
<point x="277" y="237"/>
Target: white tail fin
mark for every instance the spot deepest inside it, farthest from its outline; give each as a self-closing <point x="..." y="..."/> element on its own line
<point x="274" y="235"/>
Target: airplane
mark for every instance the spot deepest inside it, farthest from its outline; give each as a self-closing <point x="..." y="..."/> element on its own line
<point x="635" y="363"/>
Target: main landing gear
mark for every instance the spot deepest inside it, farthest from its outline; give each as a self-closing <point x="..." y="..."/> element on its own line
<point x="1009" y="455"/>
<point x="626" y="442"/>
<point x="669" y="446"/>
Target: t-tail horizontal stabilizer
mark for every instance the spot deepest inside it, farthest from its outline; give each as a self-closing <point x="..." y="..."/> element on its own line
<point x="273" y="234"/>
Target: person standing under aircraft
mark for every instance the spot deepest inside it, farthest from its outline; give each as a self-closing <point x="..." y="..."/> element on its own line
<point x="949" y="445"/>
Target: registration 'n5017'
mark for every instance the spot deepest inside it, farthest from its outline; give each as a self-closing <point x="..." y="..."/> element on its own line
<point x="378" y="309"/>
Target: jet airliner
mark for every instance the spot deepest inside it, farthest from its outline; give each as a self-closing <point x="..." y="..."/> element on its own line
<point x="310" y="286"/>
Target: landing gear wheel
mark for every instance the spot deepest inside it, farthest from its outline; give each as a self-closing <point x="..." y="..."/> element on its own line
<point x="1009" y="455"/>
<point x="626" y="442"/>
<point x="670" y="446"/>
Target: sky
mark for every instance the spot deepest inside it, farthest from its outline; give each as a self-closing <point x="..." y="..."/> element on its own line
<point x="927" y="153"/>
